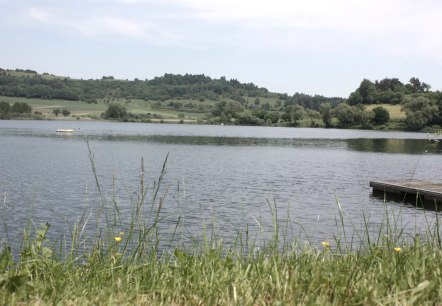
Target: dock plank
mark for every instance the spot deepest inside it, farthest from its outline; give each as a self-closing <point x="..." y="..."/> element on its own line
<point x="427" y="190"/>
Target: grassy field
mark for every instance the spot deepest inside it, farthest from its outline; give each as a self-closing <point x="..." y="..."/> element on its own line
<point x="127" y="268"/>
<point x="395" y="110"/>
<point x="141" y="106"/>
<point x="77" y="108"/>
<point x="83" y="110"/>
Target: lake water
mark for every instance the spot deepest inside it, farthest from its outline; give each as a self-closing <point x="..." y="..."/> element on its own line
<point x="215" y="175"/>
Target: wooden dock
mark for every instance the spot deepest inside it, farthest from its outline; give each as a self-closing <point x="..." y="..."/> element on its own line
<point x="420" y="191"/>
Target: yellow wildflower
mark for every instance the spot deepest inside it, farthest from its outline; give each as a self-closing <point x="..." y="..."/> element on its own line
<point x="117" y="239"/>
<point x="397" y="249"/>
<point x="325" y="244"/>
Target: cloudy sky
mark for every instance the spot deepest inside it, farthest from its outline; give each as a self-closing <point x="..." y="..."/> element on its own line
<point x="312" y="46"/>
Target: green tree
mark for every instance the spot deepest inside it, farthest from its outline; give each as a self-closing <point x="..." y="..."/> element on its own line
<point x="380" y="115"/>
<point x="389" y="84"/>
<point x="345" y="115"/>
<point x="227" y="110"/>
<point x="419" y="111"/>
<point x="355" y="98"/>
<point x="313" y="114"/>
<point x="65" y="112"/>
<point x="327" y="114"/>
<point x="268" y="117"/>
<point x="265" y="106"/>
<point x="5" y="108"/>
<point x="437" y="96"/>
<point x="368" y="91"/>
<point x="416" y="86"/>
<point x="21" y="108"/>
<point x="115" y="111"/>
<point x="56" y="112"/>
<point x="351" y="115"/>
<point x="389" y="96"/>
<point x="248" y="118"/>
<point x="293" y="114"/>
<point x="273" y="117"/>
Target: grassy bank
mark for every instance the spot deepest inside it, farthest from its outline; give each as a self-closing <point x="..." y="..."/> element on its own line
<point x="386" y="273"/>
<point x="377" y="275"/>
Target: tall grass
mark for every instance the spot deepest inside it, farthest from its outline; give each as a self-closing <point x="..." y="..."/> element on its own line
<point x="125" y="263"/>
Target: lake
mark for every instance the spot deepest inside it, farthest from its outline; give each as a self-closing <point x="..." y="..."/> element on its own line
<point x="220" y="177"/>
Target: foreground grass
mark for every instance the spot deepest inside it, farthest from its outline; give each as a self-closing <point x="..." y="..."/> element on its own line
<point x="219" y="276"/>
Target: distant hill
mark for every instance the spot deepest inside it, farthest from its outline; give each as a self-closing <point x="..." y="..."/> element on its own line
<point x="30" y="84"/>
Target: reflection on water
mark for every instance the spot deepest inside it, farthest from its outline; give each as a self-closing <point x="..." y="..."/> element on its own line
<point x="380" y="145"/>
<point x="223" y="141"/>
<point x="408" y="146"/>
<point x="217" y="173"/>
<point x="359" y="140"/>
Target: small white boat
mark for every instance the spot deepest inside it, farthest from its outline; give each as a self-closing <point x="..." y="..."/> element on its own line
<point x="65" y="131"/>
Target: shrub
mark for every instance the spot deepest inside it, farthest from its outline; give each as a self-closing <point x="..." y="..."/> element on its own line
<point x="115" y="111"/>
<point x="21" y="108"/>
<point x="419" y="111"/>
<point x="5" y="109"/>
<point x="65" y="112"/>
<point x="380" y="116"/>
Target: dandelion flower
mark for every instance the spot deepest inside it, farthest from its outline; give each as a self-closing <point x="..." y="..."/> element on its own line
<point x="117" y="239"/>
<point x="325" y="244"/>
<point x="397" y="249"/>
<point x="121" y="233"/>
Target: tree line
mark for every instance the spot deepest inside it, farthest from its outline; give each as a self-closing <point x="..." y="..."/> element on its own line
<point x="422" y="108"/>
<point x="169" y="86"/>
<point x="388" y="90"/>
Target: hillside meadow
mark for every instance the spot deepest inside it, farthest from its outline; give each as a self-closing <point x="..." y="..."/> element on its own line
<point x="160" y="112"/>
<point x="197" y="111"/>
<point x="92" y="111"/>
<point x="395" y="110"/>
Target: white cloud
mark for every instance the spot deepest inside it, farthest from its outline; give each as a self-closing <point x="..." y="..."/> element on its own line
<point x="362" y="14"/>
<point x="121" y="26"/>
<point x="130" y="1"/>
<point x="104" y="24"/>
<point x="393" y="27"/>
<point x="39" y="14"/>
<point x="390" y="27"/>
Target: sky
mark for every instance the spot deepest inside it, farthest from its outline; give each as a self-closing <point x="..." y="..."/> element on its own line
<point x="324" y="47"/>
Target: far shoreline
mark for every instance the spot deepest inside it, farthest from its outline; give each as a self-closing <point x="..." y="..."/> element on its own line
<point x="75" y="118"/>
